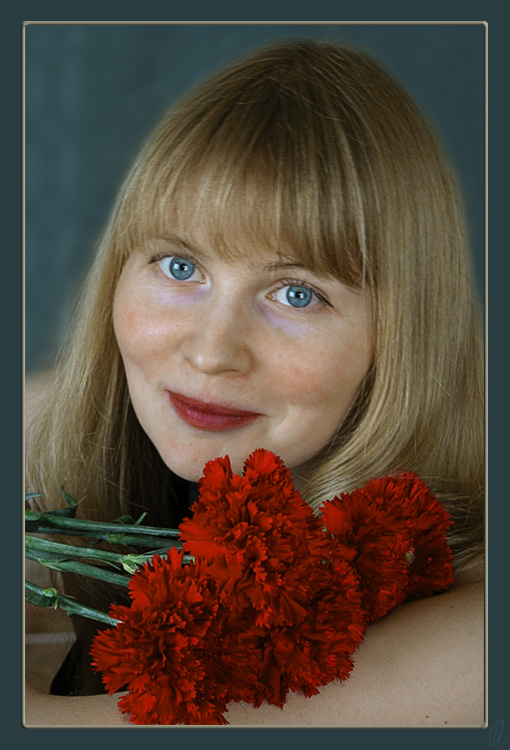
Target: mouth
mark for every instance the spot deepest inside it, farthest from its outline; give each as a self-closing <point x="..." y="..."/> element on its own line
<point x="210" y="417"/>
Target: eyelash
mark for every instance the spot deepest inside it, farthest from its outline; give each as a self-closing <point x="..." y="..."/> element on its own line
<point x="296" y="282"/>
<point x="281" y="284"/>
<point x="162" y="256"/>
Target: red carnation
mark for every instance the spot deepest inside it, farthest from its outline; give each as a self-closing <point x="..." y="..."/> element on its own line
<point x="366" y="534"/>
<point x="263" y="543"/>
<point x="431" y="567"/>
<point x="237" y="657"/>
<point x="317" y="650"/>
<point x="379" y="527"/>
<point x="161" y="650"/>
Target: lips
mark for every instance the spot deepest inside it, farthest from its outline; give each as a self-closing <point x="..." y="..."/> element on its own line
<point x="210" y="417"/>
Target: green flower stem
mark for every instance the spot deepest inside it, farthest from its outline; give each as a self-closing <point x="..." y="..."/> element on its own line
<point x="94" y="527"/>
<point x="74" y="566"/>
<point x="53" y="598"/>
<point x="67" y="551"/>
<point x="57" y="553"/>
<point x="120" y="538"/>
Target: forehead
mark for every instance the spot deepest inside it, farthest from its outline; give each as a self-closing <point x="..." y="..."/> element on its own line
<point x="237" y="211"/>
<point x="254" y="219"/>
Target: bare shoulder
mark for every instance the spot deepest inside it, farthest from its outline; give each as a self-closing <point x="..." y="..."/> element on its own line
<point x="421" y="665"/>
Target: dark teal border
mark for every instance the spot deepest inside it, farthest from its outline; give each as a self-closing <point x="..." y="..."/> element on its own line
<point x="11" y="309"/>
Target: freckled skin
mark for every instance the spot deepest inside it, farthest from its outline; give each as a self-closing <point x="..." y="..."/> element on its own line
<point x="227" y="336"/>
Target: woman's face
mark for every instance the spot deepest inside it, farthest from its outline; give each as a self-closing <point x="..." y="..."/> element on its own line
<point x="227" y="357"/>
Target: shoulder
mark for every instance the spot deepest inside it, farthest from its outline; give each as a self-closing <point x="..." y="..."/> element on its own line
<point x="423" y="664"/>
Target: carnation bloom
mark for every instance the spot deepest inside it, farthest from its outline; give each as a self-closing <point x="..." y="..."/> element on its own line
<point x="379" y="527"/>
<point x="431" y="566"/>
<point x="318" y="649"/>
<point x="161" y="650"/>
<point x="262" y="542"/>
<point x="365" y="534"/>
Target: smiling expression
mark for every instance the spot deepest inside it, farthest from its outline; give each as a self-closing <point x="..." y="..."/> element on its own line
<point x="224" y="357"/>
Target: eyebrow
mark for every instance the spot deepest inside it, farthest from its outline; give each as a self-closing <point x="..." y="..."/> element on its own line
<point x="177" y="240"/>
<point x="201" y="253"/>
<point x="289" y="264"/>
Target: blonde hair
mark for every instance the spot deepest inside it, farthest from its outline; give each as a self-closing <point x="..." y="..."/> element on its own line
<point x="311" y="148"/>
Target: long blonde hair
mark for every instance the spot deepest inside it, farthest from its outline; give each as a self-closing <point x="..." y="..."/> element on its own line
<point x="314" y="147"/>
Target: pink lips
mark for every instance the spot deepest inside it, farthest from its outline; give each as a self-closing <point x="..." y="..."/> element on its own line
<point x="211" y="417"/>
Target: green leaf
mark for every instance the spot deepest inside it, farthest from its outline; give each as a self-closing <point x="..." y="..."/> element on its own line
<point x="131" y="563"/>
<point x="69" y="500"/>
<point x="32" y="515"/>
<point x="130" y="566"/>
<point x="43" y="598"/>
<point x="30" y="495"/>
<point x="61" y="512"/>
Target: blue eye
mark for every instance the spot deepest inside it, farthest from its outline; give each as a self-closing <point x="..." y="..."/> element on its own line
<point x="298" y="296"/>
<point x="181" y="269"/>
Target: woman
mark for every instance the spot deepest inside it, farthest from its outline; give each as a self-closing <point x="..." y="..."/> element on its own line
<point x="279" y="272"/>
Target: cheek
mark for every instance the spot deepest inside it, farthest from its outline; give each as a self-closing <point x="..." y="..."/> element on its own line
<point x="143" y="333"/>
<point x="326" y="373"/>
<point x="131" y="328"/>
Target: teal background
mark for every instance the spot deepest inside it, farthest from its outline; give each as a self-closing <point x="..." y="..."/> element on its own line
<point x="93" y="92"/>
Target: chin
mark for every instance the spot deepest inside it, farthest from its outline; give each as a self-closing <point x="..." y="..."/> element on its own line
<point x="189" y="471"/>
<point x="191" y="468"/>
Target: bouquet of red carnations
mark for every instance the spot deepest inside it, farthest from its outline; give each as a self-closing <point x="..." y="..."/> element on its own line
<point x="264" y="597"/>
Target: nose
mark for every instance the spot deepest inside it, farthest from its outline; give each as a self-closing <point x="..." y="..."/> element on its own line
<point x="219" y="341"/>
